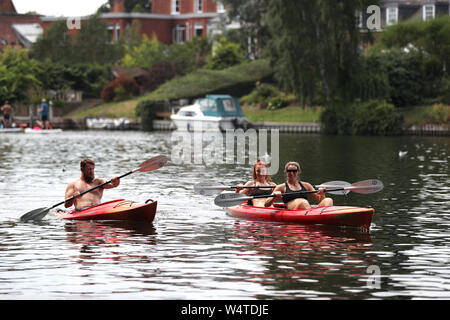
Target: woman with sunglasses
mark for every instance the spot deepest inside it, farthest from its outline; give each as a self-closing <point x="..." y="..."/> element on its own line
<point x="297" y="201"/>
<point x="260" y="177"/>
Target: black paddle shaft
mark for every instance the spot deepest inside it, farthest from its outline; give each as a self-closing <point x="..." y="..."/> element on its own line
<point x="91" y="189"/>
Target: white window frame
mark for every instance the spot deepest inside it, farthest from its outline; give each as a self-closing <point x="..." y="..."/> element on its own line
<point x="175" y="7"/>
<point x="424" y="11"/>
<point x="394" y="12"/>
<point x="180" y="33"/>
<point x="198" y="26"/>
<point x="198" y="6"/>
<point x="220" y="7"/>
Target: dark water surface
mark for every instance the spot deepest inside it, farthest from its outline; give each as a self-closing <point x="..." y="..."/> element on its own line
<point x="193" y="250"/>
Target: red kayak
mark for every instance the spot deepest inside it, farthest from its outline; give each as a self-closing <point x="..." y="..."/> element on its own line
<point x="114" y="210"/>
<point x="333" y="215"/>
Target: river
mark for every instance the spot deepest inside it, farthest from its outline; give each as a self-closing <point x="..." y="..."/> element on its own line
<point x="193" y="250"/>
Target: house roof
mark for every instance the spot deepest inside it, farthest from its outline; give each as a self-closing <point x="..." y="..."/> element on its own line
<point x="27" y="33"/>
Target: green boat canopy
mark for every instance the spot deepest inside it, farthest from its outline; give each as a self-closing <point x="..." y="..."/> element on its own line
<point x="222" y="105"/>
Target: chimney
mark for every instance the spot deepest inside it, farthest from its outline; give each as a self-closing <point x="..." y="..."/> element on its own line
<point x="7" y="6"/>
<point x="119" y="6"/>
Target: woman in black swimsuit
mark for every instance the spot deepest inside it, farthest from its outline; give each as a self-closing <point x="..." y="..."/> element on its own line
<point x="297" y="201"/>
<point x="260" y="177"/>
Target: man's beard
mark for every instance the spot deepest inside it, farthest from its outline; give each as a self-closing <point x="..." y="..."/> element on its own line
<point x="88" y="178"/>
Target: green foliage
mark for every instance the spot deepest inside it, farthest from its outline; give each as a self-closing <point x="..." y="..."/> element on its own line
<point x="150" y="52"/>
<point x="431" y="37"/>
<point x="440" y="113"/>
<point x="91" y="43"/>
<point x="377" y="118"/>
<point x="373" y="117"/>
<point x="225" y="54"/>
<point x="315" y="42"/>
<point x="236" y="81"/>
<point x="261" y="94"/>
<point x="121" y="88"/>
<point x="18" y="72"/>
<point x="277" y="103"/>
<point x="407" y="77"/>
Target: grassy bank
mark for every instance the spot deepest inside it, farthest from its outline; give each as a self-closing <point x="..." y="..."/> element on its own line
<point x="122" y="109"/>
<point x="288" y="114"/>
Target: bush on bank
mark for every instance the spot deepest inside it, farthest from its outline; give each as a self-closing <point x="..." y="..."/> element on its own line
<point x="374" y="117"/>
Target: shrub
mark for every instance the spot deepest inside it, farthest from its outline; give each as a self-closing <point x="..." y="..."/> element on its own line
<point x="120" y="88"/>
<point x="261" y="94"/>
<point x="440" y="113"/>
<point x="373" y="117"/>
<point x="226" y="54"/>
<point x="160" y="73"/>
<point x="377" y="117"/>
<point x="277" y="103"/>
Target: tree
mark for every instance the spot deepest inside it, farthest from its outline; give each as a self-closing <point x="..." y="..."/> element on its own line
<point x="253" y="29"/>
<point x="315" y="43"/>
<point x="17" y="75"/>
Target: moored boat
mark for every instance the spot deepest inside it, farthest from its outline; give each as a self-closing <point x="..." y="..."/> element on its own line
<point x="212" y="113"/>
<point x="42" y="131"/>
<point x="332" y="215"/>
<point x="114" y="210"/>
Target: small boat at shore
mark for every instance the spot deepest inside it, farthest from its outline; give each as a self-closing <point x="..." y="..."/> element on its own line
<point x="212" y="113"/>
<point x="42" y="131"/>
<point x="332" y="215"/>
<point x="114" y="210"/>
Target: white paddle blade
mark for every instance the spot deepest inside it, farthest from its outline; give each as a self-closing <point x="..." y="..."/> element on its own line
<point x="335" y="185"/>
<point x="367" y="186"/>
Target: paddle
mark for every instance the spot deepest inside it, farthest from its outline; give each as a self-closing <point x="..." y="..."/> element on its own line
<point x="363" y="187"/>
<point x="146" y="166"/>
<point x="208" y="189"/>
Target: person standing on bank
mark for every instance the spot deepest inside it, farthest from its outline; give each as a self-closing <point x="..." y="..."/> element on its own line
<point x="6" y="110"/>
<point x="43" y="113"/>
<point x="86" y="182"/>
<point x="297" y="201"/>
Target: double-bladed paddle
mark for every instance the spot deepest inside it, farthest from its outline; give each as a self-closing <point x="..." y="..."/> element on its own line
<point x="209" y="189"/>
<point x="363" y="187"/>
<point x="146" y="166"/>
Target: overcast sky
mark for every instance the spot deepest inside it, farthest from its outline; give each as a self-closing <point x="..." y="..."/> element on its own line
<point x="66" y="8"/>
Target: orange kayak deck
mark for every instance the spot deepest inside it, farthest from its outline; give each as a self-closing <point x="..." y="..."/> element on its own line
<point x="332" y="215"/>
<point x="113" y="210"/>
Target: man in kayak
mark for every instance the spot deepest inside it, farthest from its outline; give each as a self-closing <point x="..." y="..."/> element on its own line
<point x="260" y="177"/>
<point x="286" y="191"/>
<point x="85" y="182"/>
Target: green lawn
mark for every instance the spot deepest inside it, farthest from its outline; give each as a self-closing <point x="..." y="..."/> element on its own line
<point x="288" y="114"/>
<point x="122" y="109"/>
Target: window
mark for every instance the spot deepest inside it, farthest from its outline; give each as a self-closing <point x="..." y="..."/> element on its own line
<point x="198" y="6"/>
<point x="187" y="113"/>
<point x="220" y="7"/>
<point x="391" y="15"/>
<point x="428" y="12"/>
<point x="175" y="6"/>
<point x="198" y="29"/>
<point x="208" y="105"/>
<point x="228" y="105"/>
<point x="179" y="33"/>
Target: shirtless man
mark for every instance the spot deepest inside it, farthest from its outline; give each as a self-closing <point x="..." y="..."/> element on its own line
<point x="85" y="182"/>
<point x="297" y="201"/>
<point x="7" y="110"/>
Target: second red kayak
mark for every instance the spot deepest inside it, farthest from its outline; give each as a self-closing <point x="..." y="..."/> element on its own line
<point x="333" y="215"/>
<point x="114" y="210"/>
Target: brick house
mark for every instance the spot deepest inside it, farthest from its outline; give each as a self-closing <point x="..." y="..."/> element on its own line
<point x="17" y="29"/>
<point x="394" y="11"/>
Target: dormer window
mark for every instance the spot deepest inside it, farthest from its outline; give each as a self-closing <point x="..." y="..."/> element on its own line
<point x="428" y="12"/>
<point x="175" y="6"/>
<point x="391" y="15"/>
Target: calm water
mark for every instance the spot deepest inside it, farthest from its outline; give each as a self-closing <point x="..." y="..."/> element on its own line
<point x="193" y="250"/>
